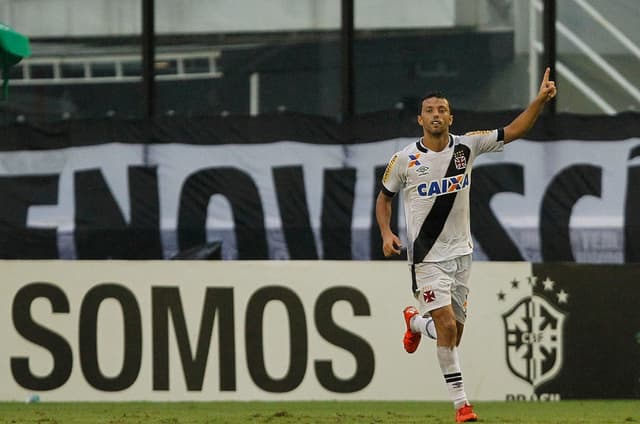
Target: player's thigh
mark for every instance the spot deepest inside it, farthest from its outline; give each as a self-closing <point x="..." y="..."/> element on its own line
<point x="460" y="288"/>
<point x="434" y="281"/>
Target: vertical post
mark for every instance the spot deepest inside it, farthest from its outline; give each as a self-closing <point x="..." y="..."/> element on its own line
<point x="5" y="81"/>
<point x="534" y="66"/>
<point x="347" y="67"/>
<point x="550" y="54"/>
<point x="254" y="94"/>
<point x="148" y="57"/>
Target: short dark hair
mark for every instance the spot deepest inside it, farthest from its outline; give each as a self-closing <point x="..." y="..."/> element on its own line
<point x="434" y="94"/>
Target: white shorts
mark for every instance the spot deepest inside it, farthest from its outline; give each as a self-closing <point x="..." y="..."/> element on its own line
<point x="438" y="284"/>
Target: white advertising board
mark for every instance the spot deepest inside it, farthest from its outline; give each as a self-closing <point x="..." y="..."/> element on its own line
<point x="238" y="330"/>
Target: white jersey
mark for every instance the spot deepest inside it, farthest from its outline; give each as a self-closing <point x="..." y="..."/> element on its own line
<point x="435" y="192"/>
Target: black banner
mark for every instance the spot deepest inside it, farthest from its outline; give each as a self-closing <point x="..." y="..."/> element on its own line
<point x="292" y="186"/>
<point x="601" y="331"/>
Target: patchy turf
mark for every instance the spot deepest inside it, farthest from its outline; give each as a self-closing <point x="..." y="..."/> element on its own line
<point x="565" y="412"/>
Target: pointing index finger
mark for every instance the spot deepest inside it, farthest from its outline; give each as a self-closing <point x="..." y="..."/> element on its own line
<point x="545" y="78"/>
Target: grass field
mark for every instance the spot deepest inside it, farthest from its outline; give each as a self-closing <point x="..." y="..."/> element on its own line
<point x="564" y="412"/>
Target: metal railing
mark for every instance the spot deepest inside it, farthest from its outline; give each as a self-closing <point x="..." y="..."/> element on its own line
<point x="536" y="47"/>
<point x="114" y="68"/>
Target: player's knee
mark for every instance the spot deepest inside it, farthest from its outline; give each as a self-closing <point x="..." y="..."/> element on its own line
<point x="447" y="331"/>
<point x="449" y="327"/>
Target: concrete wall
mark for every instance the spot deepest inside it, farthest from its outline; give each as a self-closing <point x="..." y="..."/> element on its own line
<point x="622" y="14"/>
<point x="60" y="18"/>
<point x="57" y="18"/>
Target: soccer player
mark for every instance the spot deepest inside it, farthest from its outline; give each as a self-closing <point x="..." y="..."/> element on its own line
<point x="434" y="175"/>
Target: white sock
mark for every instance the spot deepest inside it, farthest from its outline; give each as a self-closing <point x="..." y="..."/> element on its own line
<point x="423" y="325"/>
<point x="450" y="366"/>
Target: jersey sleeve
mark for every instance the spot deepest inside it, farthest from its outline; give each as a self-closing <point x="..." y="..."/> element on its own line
<point x="392" y="180"/>
<point x="487" y="141"/>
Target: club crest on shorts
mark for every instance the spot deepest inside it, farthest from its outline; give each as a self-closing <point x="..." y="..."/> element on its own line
<point x="459" y="160"/>
<point x="429" y="296"/>
<point x="533" y="329"/>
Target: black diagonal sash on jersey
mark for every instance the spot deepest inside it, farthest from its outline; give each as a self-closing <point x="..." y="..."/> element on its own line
<point x="437" y="216"/>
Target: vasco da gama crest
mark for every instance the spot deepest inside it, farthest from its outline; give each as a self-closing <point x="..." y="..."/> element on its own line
<point x="534" y="333"/>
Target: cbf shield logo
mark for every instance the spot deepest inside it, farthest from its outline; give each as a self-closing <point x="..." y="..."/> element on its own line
<point x="534" y="332"/>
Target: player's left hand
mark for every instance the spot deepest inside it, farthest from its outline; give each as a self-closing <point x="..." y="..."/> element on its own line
<point x="547" y="88"/>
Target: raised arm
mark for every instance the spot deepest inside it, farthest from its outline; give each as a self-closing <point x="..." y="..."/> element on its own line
<point x="523" y="122"/>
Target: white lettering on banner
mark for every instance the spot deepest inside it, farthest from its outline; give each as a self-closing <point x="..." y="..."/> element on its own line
<point x="228" y="330"/>
<point x="186" y="196"/>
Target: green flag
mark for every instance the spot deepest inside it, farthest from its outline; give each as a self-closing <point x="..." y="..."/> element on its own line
<point x="13" y="47"/>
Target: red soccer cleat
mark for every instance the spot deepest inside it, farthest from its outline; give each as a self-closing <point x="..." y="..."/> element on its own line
<point x="466" y="414"/>
<point x="411" y="340"/>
